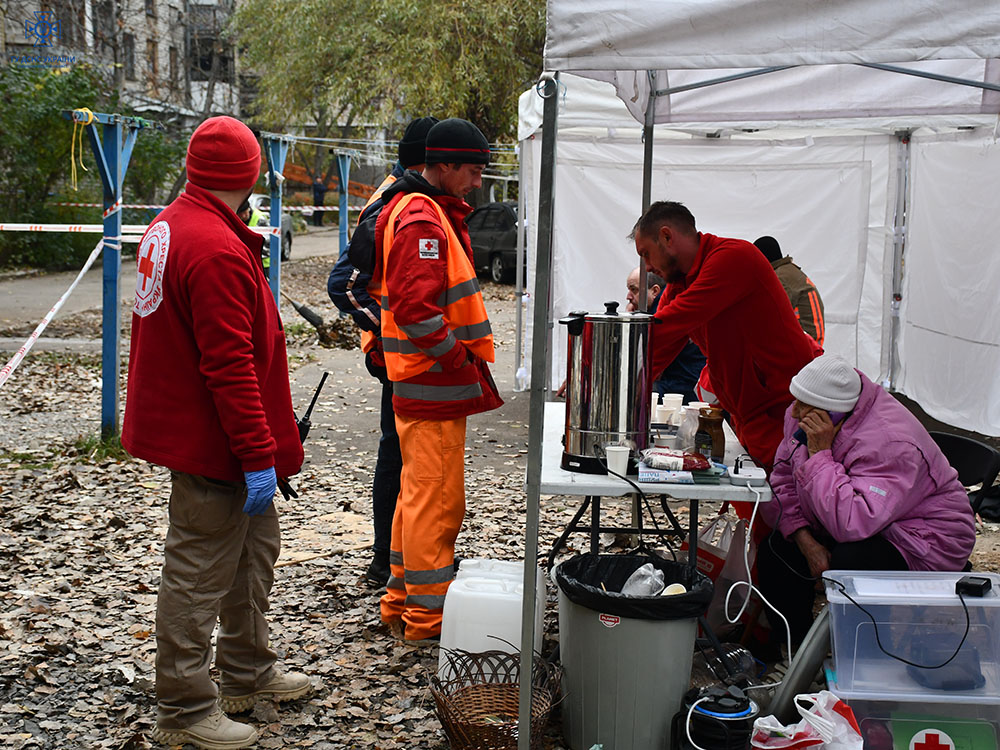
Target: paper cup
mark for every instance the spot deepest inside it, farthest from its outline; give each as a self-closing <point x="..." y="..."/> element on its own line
<point x="617" y="456"/>
<point x="672" y="400"/>
<point x="664" y="414"/>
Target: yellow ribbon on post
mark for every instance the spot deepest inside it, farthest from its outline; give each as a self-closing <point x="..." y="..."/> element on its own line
<point x="78" y="126"/>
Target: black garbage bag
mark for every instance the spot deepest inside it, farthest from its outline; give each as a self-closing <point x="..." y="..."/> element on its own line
<point x="580" y="578"/>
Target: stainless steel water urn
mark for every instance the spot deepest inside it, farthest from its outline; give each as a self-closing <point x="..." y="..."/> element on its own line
<point x="608" y="382"/>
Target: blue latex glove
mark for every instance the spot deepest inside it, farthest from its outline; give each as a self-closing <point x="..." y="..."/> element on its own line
<point x="260" y="490"/>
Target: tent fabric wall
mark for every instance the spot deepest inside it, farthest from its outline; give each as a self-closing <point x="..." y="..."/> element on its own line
<point x="949" y="343"/>
<point x="824" y="198"/>
<point x="828" y="196"/>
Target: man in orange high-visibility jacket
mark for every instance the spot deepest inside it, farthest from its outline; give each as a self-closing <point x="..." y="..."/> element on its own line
<point x="437" y="340"/>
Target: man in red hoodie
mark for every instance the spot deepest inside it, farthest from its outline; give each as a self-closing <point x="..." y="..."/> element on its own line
<point x="437" y="340"/>
<point x="209" y="398"/>
<point x="723" y="294"/>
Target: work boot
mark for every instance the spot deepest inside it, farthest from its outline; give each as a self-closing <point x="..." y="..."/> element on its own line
<point x="378" y="573"/>
<point x="281" y="687"/>
<point x="215" y="732"/>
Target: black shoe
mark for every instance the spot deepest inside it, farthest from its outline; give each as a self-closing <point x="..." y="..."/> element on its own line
<point x="378" y="573"/>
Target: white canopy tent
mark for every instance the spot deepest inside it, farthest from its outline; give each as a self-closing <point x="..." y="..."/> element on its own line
<point x="739" y="64"/>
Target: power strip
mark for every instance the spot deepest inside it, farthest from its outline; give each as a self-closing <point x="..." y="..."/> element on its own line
<point x="746" y="473"/>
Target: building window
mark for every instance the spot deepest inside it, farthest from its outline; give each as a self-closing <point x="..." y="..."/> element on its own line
<point x="151" y="8"/>
<point x="104" y="28"/>
<point x="174" y="66"/>
<point x="206" y="49"/>
<point x="128" y="56"/>
<point x="151" y="63"/>
<point x="72" y="22"/>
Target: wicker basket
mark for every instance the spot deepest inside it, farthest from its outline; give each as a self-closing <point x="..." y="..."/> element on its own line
<point x="478" y="704"/>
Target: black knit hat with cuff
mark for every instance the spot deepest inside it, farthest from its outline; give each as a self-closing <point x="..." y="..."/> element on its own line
<point x="411" y="145"/>
<point x="457" y="141"/>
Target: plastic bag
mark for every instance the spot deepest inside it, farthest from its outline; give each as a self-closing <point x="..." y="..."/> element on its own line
<point x="827" y="723"/>
<point x="646" y="581"/>
<point x="734" y="569"/>
<point x="674" y="460"/>
<point x="711" y="551"/>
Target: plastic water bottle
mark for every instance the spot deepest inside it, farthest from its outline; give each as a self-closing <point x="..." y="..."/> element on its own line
<point x="521" y="379"/>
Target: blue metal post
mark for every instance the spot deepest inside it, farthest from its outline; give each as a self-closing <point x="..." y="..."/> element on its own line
<point x="276" y="150"/>
<point x="112" y="156"/>
<point x="343" y="173"/>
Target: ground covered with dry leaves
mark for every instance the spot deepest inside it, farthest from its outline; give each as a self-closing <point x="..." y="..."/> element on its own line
<point x="82" y="530"/>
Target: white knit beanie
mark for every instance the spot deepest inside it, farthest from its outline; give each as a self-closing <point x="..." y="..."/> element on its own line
<point x="827" y="382"/>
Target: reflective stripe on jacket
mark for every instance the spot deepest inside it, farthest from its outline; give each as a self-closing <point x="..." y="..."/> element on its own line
<point x="463" y="312"/>
<point x="804" y="297"/>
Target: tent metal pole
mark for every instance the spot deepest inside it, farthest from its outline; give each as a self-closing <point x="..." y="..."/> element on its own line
<point x="932" y="76"/>
<point x="723" y="79"/>
<point x="647" y="192"/>
<point x="519" y="278"/>
<point x="647" y="170"/>
<point x="549" y="85"/>
<point x="899" y="222"/>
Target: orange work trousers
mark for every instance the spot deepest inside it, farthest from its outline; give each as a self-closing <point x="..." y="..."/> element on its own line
<point x="429" y="514"/>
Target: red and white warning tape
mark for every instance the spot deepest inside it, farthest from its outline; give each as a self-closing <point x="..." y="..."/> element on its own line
<point x="88" y="228"/>
<point x="13" y="362"/>
<point x="101" y="205"/>
<point x="113" y="208"/>
<point x="131" y="231"/>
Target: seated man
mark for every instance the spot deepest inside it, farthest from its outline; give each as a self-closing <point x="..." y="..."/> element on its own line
<point x="858" y="485"/>
<point x="681" y="375"/>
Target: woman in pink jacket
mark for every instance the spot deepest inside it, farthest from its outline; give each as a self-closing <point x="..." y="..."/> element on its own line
<point x="858" y="485"/>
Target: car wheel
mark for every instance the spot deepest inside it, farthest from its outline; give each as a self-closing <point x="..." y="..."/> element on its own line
<point x="497" y="270"/>
<point x="286" y="246"/>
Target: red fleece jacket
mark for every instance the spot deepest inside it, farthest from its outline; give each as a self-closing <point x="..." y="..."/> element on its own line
<point x="208" y="388"/>
<point x="733" y="307"/>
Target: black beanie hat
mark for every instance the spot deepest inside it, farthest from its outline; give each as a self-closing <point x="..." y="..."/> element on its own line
<point x="457" y="141"/>
<point x="411" y="145"/>
<point x="769" y="247"/>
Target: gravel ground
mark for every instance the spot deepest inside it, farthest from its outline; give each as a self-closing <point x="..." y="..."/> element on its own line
<point x="81" y="536"/>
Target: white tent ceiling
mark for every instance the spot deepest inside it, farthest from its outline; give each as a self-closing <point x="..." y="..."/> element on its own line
<point x="687" y="42"/>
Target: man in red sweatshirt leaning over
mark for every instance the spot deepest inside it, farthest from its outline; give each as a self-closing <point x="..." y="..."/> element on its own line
<point x="437" y="340"/>
<point x="208" y="398"/>
<point x="723" y="294"/>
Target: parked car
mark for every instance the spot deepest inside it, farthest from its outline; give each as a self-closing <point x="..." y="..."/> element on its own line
<point x="493" y="231"/>
<point x="262" y="203"/>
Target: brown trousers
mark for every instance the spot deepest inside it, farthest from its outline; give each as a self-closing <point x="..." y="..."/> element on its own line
<point x="218" y="565"/>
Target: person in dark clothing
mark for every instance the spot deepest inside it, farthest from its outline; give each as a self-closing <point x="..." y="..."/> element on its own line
<point x="802" y="293"/>
<point x="319" y="193"/>
<point x="348" y="288"/>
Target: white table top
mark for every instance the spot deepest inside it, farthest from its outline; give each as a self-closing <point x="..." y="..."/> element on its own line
<point x="557" y="481"/>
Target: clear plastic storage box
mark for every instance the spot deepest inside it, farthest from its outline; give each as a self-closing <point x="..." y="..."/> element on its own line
<point x="916" y="616"/>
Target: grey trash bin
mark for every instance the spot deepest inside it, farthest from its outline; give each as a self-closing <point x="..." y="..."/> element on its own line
<point x="626" y="660"/>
